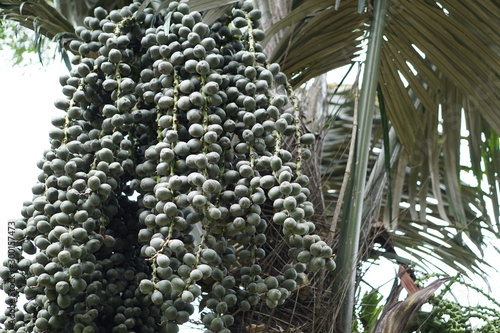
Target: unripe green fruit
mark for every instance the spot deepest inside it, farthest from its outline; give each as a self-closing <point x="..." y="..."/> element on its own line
<point x="157" y="297"/>
<point x="146" y="286"/>
<point x="221" y="307"/>
<point x="273" y="294"/>
<point x="219" y="291"/>
<point x="177" y="284"/>
<point x="316" y="264"/>
<point x="307" y="139"/>
<point x="176" y="245"/>
<point x="289" y="284"/>
<point x="330" y="265"/>
<point x="171" y="313"/>
<point x="187" y="296"/>
<point x="244" y="306"/>
<point x="304" y="256"/>
<point x="172" y="125"/>
<point x="196" y="275"/>
<point x="267" y="182"/>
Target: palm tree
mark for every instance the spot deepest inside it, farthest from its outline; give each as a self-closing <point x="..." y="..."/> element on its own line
<point x="433" y="69"/>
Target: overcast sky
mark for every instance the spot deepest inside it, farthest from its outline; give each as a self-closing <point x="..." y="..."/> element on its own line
<point x="27" y="97"/>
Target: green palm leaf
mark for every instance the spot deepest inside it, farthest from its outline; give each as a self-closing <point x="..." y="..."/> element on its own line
<point x="38" y="16"/>
<point x="416" y="226"/>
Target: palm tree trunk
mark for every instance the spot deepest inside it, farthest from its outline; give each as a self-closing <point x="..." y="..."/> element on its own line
<point x="350" y="226"/>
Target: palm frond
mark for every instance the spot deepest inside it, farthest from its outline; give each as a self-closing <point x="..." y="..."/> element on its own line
<point x="423" y="226"/>
<point x="437" y="47"/>
<point x="316" y="38"/>
<point x="73" y="11"/>
<point x="38" y="16"/>
<point x="203" y="5"/>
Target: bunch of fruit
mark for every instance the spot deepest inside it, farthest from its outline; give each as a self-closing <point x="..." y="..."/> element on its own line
<point x="170" y="146"/>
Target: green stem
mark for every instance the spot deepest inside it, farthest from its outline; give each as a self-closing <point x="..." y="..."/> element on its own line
<point x="351" y="225"/>
<point x="251" y="41"/>
<point x="175" y="114"/>
<point x="296" y="114"/>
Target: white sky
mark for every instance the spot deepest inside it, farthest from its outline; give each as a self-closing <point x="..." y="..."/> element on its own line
<point x="27" y="95"/>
